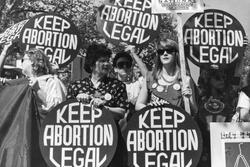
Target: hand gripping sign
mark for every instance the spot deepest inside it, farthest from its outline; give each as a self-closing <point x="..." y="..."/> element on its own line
<point x="76" y="134"/>
<point x="128" y="21"/>
<point x="214" y="38"/>
<point x="56" y="35"/>
<point x="163" y="135"/>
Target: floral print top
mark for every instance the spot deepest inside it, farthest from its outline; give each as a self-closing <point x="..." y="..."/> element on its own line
<point x="112" y="87"/>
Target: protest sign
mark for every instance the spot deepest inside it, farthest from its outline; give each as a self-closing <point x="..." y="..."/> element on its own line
<point x="230" y="144"/>
<point x="128" y="21"/>
<point x="12" y="33"/>
<point x="214" y="38"/>
<point x="75" y="134"/>
<point x="54" y="34"/>
<point x="178" y="6"/>
<point x="163" y="135"/>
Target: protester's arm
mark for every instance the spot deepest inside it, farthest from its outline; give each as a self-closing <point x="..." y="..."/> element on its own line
<point x="143" y="96"/>
<point x="243" y="107"/>
<point x="141" y="65"/>
<point x="3" y="55"/>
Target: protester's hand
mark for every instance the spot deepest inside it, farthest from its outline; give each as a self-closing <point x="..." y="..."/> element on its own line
<point x="83" y="97"/>
<point x="54" y="66"/>
<point x="186" y="88"/>
<point x="33" y="82"/>
<point x="97" y="102"/>
<point x="130" y="48"/>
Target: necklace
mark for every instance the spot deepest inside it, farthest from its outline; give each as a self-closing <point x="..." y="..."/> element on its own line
<point x="171" y="79"/>
<point x="162" y="84"/>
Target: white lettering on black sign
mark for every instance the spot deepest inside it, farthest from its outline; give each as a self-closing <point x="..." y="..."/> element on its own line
<point x="213" y="37"/>
<point x="12" y="33"/>
<point x="129" y="21"/>
<point x="77" y="136"/>
<point x="53" y="34"/>
<point x="162" y="136"/>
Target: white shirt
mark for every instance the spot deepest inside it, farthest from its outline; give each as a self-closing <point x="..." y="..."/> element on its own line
<point x="244" y="101"/>
<point x="133" y="90"/>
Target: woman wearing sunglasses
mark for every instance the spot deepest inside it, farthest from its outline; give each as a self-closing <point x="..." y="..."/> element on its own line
<point x="125" y="64"/>
<point x="164" y="83"/>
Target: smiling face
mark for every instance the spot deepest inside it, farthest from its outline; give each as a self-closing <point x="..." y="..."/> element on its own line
<point x="102" y="66"/>
<point x="167" y="56"/>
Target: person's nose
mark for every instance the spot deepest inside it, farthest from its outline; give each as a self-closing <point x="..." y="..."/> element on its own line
<point x="165" y="53"/>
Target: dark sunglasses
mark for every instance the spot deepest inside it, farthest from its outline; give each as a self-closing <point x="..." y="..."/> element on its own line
<point x="123" y="64"/>
<point x="162" y="51"/>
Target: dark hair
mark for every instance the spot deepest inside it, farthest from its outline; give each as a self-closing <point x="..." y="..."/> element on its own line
<point x="122" y="54"/>
<point x="205" y="77"/>
<point x="40" y="62"/>
<point x="94" y="52"/>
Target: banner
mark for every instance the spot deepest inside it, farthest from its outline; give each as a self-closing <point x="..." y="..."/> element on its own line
<point x="128" y="21"/>
<point x="19" y="138"/>
<point x="230" y="144"/>
<point x="54" y="34"/>
<point x="213" y="38"/>
<point x="12" y="33"/>
<point x="163" y="135"/>
<point x="177" y="6"/>
<point x="74" y="134"/>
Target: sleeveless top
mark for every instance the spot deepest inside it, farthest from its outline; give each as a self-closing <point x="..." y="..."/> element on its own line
<point x="165" y="93"/>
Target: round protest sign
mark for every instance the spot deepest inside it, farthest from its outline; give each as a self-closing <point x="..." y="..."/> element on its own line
<point x="163" y="135"/>
<point x="56" y="35"/>
<point x="128" y="21"/>
<point x="75" y="134"/>
<point x="213" y="38"/>
<point x="12" y="33"/>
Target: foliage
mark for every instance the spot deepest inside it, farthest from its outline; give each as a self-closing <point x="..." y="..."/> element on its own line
<point x="83" y="15"/>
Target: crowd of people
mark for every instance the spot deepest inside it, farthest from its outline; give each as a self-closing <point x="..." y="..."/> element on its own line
<point x="213" y="100"/>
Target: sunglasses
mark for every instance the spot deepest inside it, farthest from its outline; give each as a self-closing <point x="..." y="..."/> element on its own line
<point x="123" y="64"/>
<point x="169" y="51"/>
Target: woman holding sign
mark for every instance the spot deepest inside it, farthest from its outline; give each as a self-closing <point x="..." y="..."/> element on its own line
<point x="164" y="83"/>
<point x="103" y="91"/>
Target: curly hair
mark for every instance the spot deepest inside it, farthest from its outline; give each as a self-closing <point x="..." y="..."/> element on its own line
<point x="95" y="52"/>
<point x="40" y="62"/>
